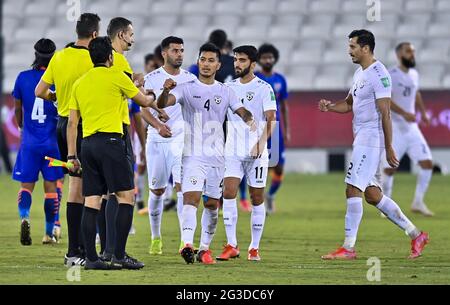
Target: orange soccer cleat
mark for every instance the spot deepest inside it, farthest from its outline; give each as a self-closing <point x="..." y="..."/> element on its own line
<point x="205" y="257"/>
<point x="253" y="255"/>
<point x="418" y="244"/>
<point x="340" y="254"/>
<point x="228" y="252"/>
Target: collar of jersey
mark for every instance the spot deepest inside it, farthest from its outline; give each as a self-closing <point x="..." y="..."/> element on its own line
<point x="100" y="66"/>
<point x="79" y="47"/>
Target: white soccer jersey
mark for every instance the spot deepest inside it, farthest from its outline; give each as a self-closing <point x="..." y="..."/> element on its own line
<point x="155" y="81"/>
<point x="204" y="109"/>
<point x="369" y="85"/>
<point x="257" y="97"/>
<point x="404" y="90"/>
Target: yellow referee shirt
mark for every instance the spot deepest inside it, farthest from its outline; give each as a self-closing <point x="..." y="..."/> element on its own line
<point x="121" y="64"/>
<point x="65" y="67"/>
<point x="99" y="96"/>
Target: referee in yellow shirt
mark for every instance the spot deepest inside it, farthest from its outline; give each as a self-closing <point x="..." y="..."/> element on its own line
<point x="97" y="97"/>
<point x="66" y="66"/>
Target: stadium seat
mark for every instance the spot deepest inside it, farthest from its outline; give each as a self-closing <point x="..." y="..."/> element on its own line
<point x="231" y="7"/>
<point x="354" y="6"/>
<point x="261" y="7"/>
<point x="135" y="8"/>
<point x="331" y="77"/>
<point x="411" y="30"/>
<point x="446" y="81"/>
<point x="198" y="7"/>
<point x="13" y="8"/>
<point x="325" y="6"/>
<point x="293" y="7"/>
<point x="419" y="5"/>
<point x="431" y="75"/>
<point x="280" y="32"/>
<point x="166" y="7"/>
<point x="301" y="76"/>
<point x="443" y="5"/>
<point x="437" y="30"/>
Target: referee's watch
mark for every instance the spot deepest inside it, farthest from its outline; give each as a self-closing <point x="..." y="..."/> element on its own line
<point x="71" y="158"/>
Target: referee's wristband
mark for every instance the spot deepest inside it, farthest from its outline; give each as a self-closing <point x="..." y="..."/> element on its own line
<point x="71" y="158"/>
<point x="153" y="94"/>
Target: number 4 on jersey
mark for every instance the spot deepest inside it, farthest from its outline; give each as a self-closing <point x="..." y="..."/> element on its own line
<point x="38" y="111"/>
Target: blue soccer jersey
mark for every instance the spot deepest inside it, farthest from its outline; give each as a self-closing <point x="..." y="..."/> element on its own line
<point x="279" y="86"/>
<point x="38" y="133"/>
<point x="133" y="108"/>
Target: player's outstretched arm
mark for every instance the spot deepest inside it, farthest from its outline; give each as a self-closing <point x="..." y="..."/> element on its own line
<point x="344" y="106"/>
<point x="421" y="106"/>
<point x="163" y="129"/>
<point x="166" y="99"/>
<point x="384" y="107"/>
<point x="43" y="91"/>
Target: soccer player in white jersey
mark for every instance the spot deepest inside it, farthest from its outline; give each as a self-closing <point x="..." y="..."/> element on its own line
<point x="369" y="99"/>
<point x="407" y="137"/>
<point x="164" y="154"/>
<point x="204" y="104"/>
<point x="246" y="152"/>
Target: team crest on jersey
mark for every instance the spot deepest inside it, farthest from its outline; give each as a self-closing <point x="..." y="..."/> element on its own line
<point x="154" y="181"/>
<point x="250" y="96"/>
<point x="277" y="86"/>
<point x="218" y="99"/>
<point x="193" y="180"/>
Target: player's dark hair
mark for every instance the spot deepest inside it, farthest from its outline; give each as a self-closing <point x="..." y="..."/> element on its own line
<point x="210" y="47"/>
<point x="401" y="45"/>
<point x="148" y="58"/>
<point x="165" y="43"/>
<point x="268" y="48"/>
<point x="43" y="51"/>
<point x="117" y="25"/>
<point x="364" y="38"/>
<point x="87" y="24"/>
<point x="250" y="51"/>
<point x="219" y="38"/>
<point x="100" y="49"/>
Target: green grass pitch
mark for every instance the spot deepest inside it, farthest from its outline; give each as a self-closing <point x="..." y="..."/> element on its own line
<point x="308" y="223"/>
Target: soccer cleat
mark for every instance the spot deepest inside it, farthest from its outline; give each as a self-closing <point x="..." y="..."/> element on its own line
<point x="228" y="252"/>
<point x="245" y="205"/>
<point x="57" y="233"/>
<point x="74" y="261"/>
<point x="421" y="208"/>
<point x="188" y="254"/>
<point x="156" y="247"/>
<point x="253" y="255"/>
<point x="340" y="254"/>
<point x="105" y="257"/>
<point x="418" y="244"/>
<point x="205" y="257"/>
<point x="127" y="262"/>
<point x="49" y="240"/>
<point x="169" y="204"/>
<point x="25" y="233"/>
<point x="143" y="212"/>
<point x="97" y="265"/>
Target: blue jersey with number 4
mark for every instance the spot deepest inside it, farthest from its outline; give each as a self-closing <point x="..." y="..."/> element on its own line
<point x="39" y="116"/>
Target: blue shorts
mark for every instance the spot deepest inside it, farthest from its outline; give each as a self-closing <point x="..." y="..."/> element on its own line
<point x="31" y="160"/>
<point x="277" y="155"/>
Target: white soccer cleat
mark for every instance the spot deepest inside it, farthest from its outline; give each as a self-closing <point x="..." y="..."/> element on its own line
<point x="421" y="208"/>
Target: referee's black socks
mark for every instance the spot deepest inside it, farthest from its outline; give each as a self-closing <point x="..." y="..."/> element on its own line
<point x="89" y="229"/>
<point x="74" y="214"/>
<point x="110" y="216"/>
<point x="123" y="225"/>
<point x="101" y="222"/>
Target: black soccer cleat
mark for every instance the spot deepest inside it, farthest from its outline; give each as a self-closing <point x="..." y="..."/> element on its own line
<point x="97" y="265"/>
<point x="105" y="257"/>
<point x="25" y="233"/>
<point x="169" y="205"/>
<point x="127" y="262"/>
<point x="188" y="254"/>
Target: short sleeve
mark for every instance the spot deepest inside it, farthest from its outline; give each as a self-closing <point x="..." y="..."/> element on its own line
<point x="382" y="85"/>
<point x="48" y="76"/>
<point x="127" y="86"/>
<point x="134" y="108"/>
<point x="284" y="89"/>
<point x="73" y="102"/>
<point x="17" y="92"/>
<point x="235" y="103"/>
<point x="269" y="100"/>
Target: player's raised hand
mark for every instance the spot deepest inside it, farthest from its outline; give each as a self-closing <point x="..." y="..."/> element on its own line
<point x="169" y="84"/>
<point x="324" y="105"/>
<point x="409" y="117"/>
<point x="163" y="116"/>
<point x="391" y="157"/>
<point x="426" y="120"/>
<point x="164" y="131"/>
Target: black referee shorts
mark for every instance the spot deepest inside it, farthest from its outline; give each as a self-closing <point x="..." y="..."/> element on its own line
<point x="106" y="165"/>
<point x="61" y="133"/>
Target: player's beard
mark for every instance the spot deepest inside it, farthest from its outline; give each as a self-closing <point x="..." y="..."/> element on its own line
<point x="174" y="64"/>
<point x="267" y="68"/>
<point x="409" y="63"/>
<point x="243" y="73"/>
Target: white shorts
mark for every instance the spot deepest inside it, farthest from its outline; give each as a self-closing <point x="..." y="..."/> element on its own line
<point x="255" y="170"/>
<point x="197" y="177"/>
<point x="163" y="160"/>
<point x="412" y="143"/>
<point x="137" y="148"/>
<point x="364" y="169"/>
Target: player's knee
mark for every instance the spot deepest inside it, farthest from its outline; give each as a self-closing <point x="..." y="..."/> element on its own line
<point x="352" y="191"/>
<point x="373" y="195"/>
<point x="158" y="192"/>
<point x="257" y="198"/>
<point x="229" y="193"/>
<point x="212" y="204"/>
<point x="426" y="164"/>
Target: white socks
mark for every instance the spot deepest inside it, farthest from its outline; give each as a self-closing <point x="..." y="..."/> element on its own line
<point x="388" y="182"/>
<point x="393" y="212"/>
<point x="352" y="221"/>
<point x="189" y="223"/>
<point x="423" y="180"/>
<point x="155" y="210"/>
<point x="209" y="225"/>
<point x="230" y="217"/>
<point x="258" y="220"/>
<point x="180" y="211"/>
